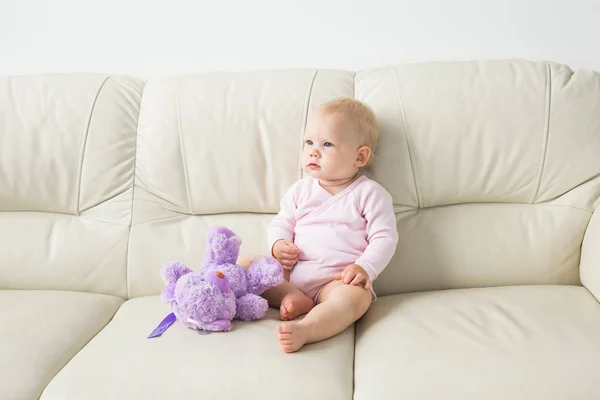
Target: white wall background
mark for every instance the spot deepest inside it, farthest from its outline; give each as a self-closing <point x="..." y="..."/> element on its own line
<point x="150" y="38"/>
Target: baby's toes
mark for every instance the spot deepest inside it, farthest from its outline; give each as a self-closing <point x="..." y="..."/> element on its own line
<point x="283" y="313"/>
<point x="288" y="348"/>
<point x="283" y="329"/>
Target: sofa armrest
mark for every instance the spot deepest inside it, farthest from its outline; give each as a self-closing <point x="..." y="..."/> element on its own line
<point x="589" y="268"/>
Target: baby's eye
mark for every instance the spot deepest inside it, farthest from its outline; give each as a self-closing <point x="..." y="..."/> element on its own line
<point x="328" y="144"/>
<point x="309" y="142"/>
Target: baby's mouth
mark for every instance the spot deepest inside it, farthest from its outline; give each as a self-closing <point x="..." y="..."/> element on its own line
<point x="313" y="166"/>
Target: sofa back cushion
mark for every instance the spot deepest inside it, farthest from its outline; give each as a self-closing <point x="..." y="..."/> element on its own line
<point x="494" y="169"/>
<point x="67" y="150"/>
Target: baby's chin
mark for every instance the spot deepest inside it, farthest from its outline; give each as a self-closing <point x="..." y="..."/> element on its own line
<point x="312" y="173"/>
<point x="322" y="175"/>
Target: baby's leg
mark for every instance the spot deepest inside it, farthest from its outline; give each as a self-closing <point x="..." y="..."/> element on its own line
<point x="340" y="305"/>
<point x="247" y="259"/>
<point x="288" y="298"/>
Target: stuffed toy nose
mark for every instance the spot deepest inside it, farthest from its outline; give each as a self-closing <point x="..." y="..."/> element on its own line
<point x="219" y="280"/>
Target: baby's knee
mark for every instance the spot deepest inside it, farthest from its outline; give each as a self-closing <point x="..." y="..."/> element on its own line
<point x="358" y="298"/>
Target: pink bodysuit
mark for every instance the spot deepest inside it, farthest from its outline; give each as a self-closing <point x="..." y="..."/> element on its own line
<point x="356" y="226"/>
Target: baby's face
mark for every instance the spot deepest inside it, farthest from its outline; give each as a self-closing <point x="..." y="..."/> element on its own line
<point x="331" y="146"/>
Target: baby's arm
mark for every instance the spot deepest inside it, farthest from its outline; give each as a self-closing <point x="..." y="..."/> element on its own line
<point x="382" y="232"/>
<point x="281" y="231"/>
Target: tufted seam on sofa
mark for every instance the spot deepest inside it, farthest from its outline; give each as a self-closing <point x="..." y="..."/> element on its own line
<point x="309" y="92"/>
<point x="182" y="148"/>
<point x="545" y="134"/>
<point x="77" y="194"/>
<point x="408" y="139"/>
<point x="135" y="160"/>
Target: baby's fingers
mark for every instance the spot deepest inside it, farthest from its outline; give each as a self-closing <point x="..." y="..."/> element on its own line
<point x="358" y="279"/>
<point x="350" y="275"/>
<point x="291" y="248"/>
<point x="288" y="256"/>
<point x="288" y="263"/>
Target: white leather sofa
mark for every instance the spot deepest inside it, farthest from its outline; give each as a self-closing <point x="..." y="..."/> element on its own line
<point x="494" y="168"/>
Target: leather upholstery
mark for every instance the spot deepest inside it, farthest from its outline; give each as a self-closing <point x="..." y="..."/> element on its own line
<point x="494" y="171"/>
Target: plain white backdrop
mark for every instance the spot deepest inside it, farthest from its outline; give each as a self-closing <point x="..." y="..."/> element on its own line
<point x="149" y="38"/>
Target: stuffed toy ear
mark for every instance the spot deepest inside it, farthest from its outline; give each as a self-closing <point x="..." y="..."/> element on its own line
<point x="222" y="246"/>
<point x="171" y="272"/>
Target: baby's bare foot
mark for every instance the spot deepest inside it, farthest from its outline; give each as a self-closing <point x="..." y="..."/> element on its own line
<point x="292" y="336"/>
<point x="293" y="305"/>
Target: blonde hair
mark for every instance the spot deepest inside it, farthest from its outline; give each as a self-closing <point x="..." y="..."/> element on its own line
<point x="360" y="115"/>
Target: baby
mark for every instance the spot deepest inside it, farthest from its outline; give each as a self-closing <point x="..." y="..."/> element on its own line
<point x="336" y="229"/>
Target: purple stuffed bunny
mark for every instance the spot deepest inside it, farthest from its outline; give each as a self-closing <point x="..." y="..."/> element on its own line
<point x="221" y="290"/>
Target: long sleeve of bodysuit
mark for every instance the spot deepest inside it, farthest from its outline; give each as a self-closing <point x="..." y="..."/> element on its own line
<point x="382" y="233"/>
<point x="282" y="225"/>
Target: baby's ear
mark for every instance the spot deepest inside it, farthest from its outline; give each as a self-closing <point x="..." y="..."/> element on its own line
<point x="363" y="156"/>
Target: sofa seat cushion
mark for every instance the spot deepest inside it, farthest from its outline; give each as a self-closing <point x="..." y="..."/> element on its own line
<point x="40" y="331"/>
<point x="528" y="342"/>
<point x="247" y="362"/>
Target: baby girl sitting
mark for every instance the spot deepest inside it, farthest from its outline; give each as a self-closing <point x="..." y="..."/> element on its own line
<point x="336" y="229"/>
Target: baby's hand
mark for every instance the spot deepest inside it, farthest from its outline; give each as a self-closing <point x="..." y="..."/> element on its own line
<point x="354" y="275"/>
<point x="286" y="252"/>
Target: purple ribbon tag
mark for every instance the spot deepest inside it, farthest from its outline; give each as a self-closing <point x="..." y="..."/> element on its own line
<point x="163" y="326"/>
